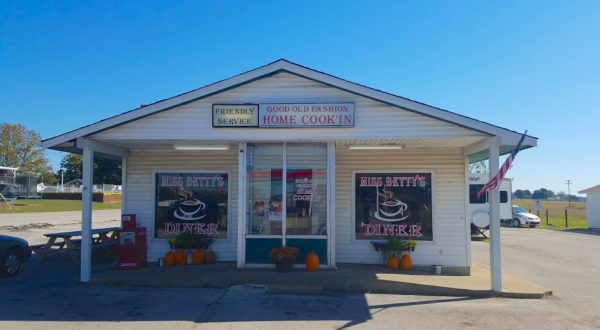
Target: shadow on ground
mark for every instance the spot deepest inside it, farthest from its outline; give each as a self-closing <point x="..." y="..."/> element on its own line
<point x="50" y="291"/>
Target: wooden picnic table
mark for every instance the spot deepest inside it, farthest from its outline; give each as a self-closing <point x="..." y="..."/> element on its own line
<point x="101" y="238"/>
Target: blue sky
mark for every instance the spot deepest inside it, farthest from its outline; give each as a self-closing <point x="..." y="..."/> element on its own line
<point x="517" y="64"/>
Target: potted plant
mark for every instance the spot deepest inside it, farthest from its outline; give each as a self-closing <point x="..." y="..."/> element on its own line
<point x="188" y="242"/>
<point x="206" y="242"/>
<point x="394" y="247"/>
<point x="390" y="251"/>
<point x="169" y="258"/>
<point x="284" y="258"/>
<point x="408" y="246"/>
<point x="174" y="244"/>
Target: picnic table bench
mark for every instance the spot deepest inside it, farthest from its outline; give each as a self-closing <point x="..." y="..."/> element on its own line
<point x="102" y="238"/>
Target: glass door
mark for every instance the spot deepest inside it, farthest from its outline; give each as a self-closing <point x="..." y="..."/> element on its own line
<point x="264" y="206"/>
<point x="306" y="200"/>
<point x="290" y="211"/>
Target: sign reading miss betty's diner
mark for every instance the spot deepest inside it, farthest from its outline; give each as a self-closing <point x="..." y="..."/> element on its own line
<point x="394" y="203"/>
<point x="284" y="115"/>
<point x="191" y="202"/>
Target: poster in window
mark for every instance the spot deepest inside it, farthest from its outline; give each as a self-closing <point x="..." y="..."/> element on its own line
<point x="259" y="209"/>
<point x="396" y="203"/>
<point x="191" y="202"/>
<point x="275" y="211"/>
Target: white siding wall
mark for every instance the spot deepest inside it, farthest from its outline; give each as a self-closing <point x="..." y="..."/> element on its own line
<point x="593" y="210"/>
<point x="374" y="120"/>
<point x="139" y="192"/>
<point x="450" y="238"/>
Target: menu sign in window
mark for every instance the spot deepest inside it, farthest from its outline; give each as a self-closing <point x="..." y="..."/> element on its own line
<point x="306" y="115"/>
<point x="235" y="115"/>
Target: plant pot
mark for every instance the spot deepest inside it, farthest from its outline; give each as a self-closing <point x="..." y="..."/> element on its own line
<point x="284" y="266"/>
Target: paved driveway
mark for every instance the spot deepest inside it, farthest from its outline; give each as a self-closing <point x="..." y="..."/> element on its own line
<point x="50" y="297"/>
<point x="568" y="263"/>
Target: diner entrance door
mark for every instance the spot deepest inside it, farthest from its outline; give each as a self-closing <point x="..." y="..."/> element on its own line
<point x="287" y="193"/>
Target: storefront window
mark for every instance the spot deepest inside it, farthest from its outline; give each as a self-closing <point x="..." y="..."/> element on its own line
<point x="191" y="202"/>
<point x="264" y="184"/>
<point x="306" y="189"/>
<point x="473" y="190"/>
<point x="396" y="204"/>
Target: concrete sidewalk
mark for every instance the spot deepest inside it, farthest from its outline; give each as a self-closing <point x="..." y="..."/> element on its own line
<point x="348" y="278"/>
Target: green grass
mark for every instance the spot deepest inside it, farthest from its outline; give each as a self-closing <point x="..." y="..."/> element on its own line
<point x="52" y="205"/>
<point x="556" y="213"/>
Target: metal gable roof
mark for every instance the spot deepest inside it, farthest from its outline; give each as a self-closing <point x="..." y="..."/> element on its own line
<point x="591" y="189"/>
<point x="276" y="67"/>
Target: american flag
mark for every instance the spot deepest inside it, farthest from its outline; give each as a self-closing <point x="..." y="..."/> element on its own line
<point x="495" y="181"/>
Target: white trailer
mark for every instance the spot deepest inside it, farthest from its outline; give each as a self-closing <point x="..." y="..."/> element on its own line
<point x="479" y="207"/>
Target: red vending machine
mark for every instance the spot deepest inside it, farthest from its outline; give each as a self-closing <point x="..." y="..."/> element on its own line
<point x="131" y="244"/>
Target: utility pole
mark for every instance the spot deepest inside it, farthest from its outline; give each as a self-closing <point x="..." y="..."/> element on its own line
<point x="569" y="191"/>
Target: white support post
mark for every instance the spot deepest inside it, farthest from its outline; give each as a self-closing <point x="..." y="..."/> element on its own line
<point x="495" y="249"/>
<point x="467" y="212"/>
<point x="331" y="203"/>
<point x="123" y="184"/>
<point x="241" y="248"/>
<point x="86" y="215"/>
<point x="284" y="197"/>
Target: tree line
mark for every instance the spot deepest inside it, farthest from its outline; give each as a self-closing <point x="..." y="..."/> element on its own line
<point x="19" y="147"/>
<point x="544" y="193"/>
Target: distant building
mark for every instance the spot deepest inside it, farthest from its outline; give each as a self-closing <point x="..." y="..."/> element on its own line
<point x="593" y="206"/>
<point x="77" y="183"/>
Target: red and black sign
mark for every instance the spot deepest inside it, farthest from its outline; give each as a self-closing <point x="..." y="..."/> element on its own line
<point x="396" y="204"/>
<point x="191" y="202"/>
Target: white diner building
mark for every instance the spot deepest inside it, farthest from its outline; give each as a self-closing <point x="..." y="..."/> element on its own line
<point x="284" y="155"/>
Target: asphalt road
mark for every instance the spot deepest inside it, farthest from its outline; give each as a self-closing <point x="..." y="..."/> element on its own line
<point x="52" y="299"/>
<point x="568" y="263"/>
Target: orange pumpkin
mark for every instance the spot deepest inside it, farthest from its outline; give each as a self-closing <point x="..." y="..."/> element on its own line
<point x="169" y="259"/>
<point x="198" y="257"/>
<point x="180" y="258"/>
<point x="210" y="257"/>
<point x="393" y="262"/>
<point x="312" y="262"/>
<point x="406" y="262"/>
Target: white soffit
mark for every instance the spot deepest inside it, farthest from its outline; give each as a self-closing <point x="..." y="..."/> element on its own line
<point x="416" y="143"/>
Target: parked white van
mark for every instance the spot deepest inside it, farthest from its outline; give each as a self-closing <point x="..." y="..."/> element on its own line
<point x="479" y="207"/>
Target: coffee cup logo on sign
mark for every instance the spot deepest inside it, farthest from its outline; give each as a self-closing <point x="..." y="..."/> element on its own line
<point x="190" y="210"/>
<point x="388" y="208"/>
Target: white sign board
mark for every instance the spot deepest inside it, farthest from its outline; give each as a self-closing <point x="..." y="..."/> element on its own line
<point x="306" y="115"/>
<point x="235" y="115"/>
<point x="537" y="204"/>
